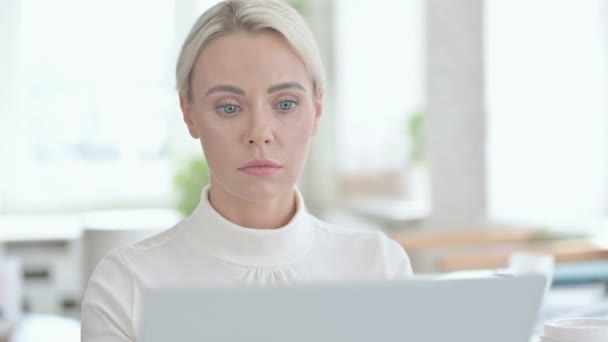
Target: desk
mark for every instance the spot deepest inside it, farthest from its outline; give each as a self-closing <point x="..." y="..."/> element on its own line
<point x="48" y="328"/>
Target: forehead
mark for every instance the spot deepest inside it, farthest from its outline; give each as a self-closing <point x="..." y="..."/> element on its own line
<point x="242" y="56"/>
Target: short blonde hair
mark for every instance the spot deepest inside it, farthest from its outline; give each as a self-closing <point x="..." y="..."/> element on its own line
<point x="249" y="16"/>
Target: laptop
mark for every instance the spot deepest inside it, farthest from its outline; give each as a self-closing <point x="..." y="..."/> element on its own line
<point x="419" y="309"/>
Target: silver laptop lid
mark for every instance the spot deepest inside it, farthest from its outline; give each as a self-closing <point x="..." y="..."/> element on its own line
<point x="498" y="309"/>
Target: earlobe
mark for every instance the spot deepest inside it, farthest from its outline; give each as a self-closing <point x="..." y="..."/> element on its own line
<point x="186" y="108"/>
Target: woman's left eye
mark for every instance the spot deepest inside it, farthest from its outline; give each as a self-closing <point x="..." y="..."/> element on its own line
<point x="286" y="106"/>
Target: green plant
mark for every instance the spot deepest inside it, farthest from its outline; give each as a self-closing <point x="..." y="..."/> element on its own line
<point x="189" y="181"/>
<point x="298" y="5"/>
<point x="415" y="128"/>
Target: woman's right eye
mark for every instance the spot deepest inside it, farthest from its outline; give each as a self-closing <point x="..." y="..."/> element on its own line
<point x="228" y="109"/>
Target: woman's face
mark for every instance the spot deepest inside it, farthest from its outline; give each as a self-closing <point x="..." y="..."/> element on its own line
<point x="252" y="101"/>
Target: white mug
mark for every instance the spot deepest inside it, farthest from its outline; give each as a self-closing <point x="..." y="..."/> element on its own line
<point x="575" y="330"/>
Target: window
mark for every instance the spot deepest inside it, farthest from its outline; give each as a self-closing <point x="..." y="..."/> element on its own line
<point x="547" y="75"/>
<point x="379" y="88"/>
<point x="97" y="118"/>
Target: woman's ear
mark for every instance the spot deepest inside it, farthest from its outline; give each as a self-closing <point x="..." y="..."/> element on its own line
<point x="318" y="107"/>
<point x="186" y="107"/>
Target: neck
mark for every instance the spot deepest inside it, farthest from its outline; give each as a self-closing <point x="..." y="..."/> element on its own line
<point x="270" y="214"/>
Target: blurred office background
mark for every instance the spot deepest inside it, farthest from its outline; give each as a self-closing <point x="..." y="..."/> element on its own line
<point x="464" y="129"/>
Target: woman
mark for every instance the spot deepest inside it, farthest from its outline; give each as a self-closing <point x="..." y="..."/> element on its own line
<point x="250" y="87"/>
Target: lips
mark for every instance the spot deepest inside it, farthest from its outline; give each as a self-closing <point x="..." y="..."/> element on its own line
<point x="260" y="167"/>
<point x="259" y="163"/>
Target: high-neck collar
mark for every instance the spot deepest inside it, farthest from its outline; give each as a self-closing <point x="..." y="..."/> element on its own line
<point x="250" y="246"/>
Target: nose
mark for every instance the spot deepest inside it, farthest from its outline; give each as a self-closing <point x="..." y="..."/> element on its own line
<point x="259" y="131"/>
<point x="264" y="141"/>
<point x="252" y="141"/>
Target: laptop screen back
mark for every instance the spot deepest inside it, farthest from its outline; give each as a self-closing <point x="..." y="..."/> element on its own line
<point x="498" y="309"/>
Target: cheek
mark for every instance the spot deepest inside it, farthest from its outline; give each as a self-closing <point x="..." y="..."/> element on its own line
<point x="212" y="127"/>
<point x="301" y="138"/>
<point x="300" y="133"/>
<point x="298" y="139"/>
<point x="215" y="140"/>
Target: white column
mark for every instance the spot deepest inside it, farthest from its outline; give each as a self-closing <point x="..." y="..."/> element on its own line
<point x="604" y="19"/>
<point x="318" y="181"/>
<point x="456" y="134"/>
<point x="9" y="29"/>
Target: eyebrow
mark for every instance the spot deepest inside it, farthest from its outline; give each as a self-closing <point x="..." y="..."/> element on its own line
<point x="236" y="90"/>
<point x="286" y="85"/>
<point x="225" y="88"/>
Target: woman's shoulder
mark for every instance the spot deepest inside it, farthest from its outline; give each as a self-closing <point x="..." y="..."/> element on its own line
<point x="343" y="231"/>
<point x="371" y="239"/>
<point x="371" y="245"/>
<point x="123" y="259"/>
<point x="159" y="239"/>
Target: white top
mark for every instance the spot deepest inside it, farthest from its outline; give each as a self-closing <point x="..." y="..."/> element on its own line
<point x="207" y="249"/>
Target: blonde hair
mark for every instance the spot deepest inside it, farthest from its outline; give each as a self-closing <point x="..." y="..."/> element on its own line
<point x="249" y="16"/>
